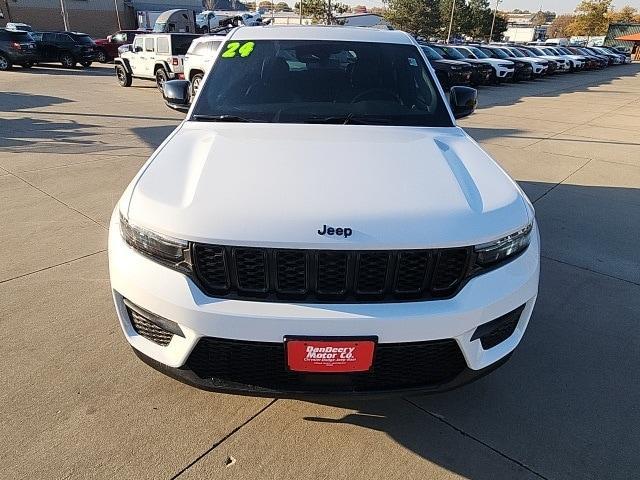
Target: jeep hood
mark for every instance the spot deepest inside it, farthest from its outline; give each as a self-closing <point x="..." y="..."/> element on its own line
<point x="276" y="185"/>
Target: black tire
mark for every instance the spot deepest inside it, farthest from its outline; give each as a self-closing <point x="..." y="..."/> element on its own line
<point x="124" y="77"/>
<point x="5" y="63"/>
<point x="101" y="56"/>
<point x="27" y="65"/>
<point x="196" y="81"/>
<point x="161" y="77"/>
<point x="67" y="60"/>
<point x="86" y="64"/>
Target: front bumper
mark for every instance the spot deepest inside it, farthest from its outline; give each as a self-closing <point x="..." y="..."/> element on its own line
<point x="458" y="77"/>
<point x="172" y="295"/>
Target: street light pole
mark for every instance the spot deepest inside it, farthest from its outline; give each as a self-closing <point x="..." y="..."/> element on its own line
<point x="115" y="4"/>
<point x="64" y="15"/>
<point x="495" y="11"/>
<point x="453" y="9"/>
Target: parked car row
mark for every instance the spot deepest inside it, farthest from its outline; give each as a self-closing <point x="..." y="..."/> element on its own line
<point x="490" y="64"/>
<point x="25" y="48"/>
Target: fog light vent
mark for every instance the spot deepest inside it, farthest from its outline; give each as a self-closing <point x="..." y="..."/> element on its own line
<point x="152" y="327"/>
<point x="498" y="330"/>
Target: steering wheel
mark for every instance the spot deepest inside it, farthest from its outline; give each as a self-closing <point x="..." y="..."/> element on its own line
<point x="362" y="95"/>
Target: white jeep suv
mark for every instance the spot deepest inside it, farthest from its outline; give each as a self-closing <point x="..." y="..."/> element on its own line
<point x="154" y="56"/>
<point x="319" y="224"/>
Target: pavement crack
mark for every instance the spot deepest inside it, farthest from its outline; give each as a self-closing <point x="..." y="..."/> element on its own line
<point x="59" y="201"/>
<point x="562" y="181"/>
<point x="477" y="440"/>
<point x="587" y="269"/>
<point x="52" y="266"/>
<point x="223" y="439"/>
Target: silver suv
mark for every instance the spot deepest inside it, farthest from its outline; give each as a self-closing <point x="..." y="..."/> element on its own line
<point x="158" y="57"/>
<point x="199" y="58"/>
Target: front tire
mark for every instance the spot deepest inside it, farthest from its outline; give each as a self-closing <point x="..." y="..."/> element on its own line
<point x="101" y="56"/>
<point x="5" y="64"/>
<point x="68" y="61"/>
<point x="161" y="77"/>
<point x="124" y="77"/>
<point x="196" y="80"/>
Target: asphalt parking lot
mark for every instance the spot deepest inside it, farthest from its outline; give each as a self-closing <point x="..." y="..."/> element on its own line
<point x="76" y="403"/>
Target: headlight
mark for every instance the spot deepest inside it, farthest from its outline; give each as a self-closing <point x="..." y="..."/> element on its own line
<point x="504" y="65"/>
<point x="455" y="67"/>
<point x="491" y="253"/>
<point x="169" y="251"/>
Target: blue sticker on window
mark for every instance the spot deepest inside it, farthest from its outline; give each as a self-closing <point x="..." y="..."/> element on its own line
<point x="413" y="62"/>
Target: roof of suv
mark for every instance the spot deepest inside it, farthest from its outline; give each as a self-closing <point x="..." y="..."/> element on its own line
<point x="332" y="32"/>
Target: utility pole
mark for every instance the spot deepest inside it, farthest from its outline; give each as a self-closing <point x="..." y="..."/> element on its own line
<point x="115" y="4"/>
<point x="328" y="12"/>
<point x="495" y="11"/>
<point x="300" y="6"/>
<point x="63" y="12"/>
<point x="453" y="9"/>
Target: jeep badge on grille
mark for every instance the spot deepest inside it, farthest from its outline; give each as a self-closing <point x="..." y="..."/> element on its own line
<point x="340" y="231"/>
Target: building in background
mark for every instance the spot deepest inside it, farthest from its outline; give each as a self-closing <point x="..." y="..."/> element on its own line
<point x="527" y="26"/>
<point x="619" y="30"/>
<point x="98" y="18"/>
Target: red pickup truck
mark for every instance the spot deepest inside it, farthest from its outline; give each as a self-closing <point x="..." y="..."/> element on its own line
<point x="107" y="48"/>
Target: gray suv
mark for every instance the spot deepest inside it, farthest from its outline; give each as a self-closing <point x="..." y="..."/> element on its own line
<point x="16" y="48"/>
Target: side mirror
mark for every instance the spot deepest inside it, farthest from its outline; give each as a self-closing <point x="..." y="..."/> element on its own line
<point x="138" y="49"/>
<point x="177" y="94"/>
<point x="463" y="101"/>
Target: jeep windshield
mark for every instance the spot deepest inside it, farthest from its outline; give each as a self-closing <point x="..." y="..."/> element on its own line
<point x="312" y="81"/>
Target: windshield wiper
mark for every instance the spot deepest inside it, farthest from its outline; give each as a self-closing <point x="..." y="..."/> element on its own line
<point x="220" y="118"/>
<point x="349" y="119"/>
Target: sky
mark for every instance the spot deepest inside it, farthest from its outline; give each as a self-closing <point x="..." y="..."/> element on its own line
<point x="559" y="6"/>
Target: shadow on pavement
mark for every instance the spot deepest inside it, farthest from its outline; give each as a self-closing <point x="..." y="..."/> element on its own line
<point x="509" y="94"/>
<point x="52" y="69"/>
<point x="153" y="136"/>
<point x="567" y="405"/>
<point x="12" y="101"/>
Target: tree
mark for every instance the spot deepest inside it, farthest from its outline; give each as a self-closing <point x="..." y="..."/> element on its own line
<point x="318" y="10"/>
<point x="561" y="27"/>
<point x="480" y="18"/>
<point x="500" y="26"/>
<point x="461" y="17"/>
<point x="283" y="7"/>
<point x="592" y="18"/>
<point x="626" y="14"/>
<point x="418" y="17"/>
<point x="538" y="19"/>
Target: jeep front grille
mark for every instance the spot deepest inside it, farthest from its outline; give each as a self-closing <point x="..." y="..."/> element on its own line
<point x="341" y="276"/>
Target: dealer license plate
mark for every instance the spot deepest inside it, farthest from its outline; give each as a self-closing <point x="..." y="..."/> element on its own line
<point x="329" y="356"/>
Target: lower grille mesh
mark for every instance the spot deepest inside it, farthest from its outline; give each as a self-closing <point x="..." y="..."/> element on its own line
<point x="263" y="365"/>
<point x="149" y="330"/>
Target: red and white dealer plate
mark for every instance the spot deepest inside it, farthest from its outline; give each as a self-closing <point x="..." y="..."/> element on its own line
<point x="329" y="356"/>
